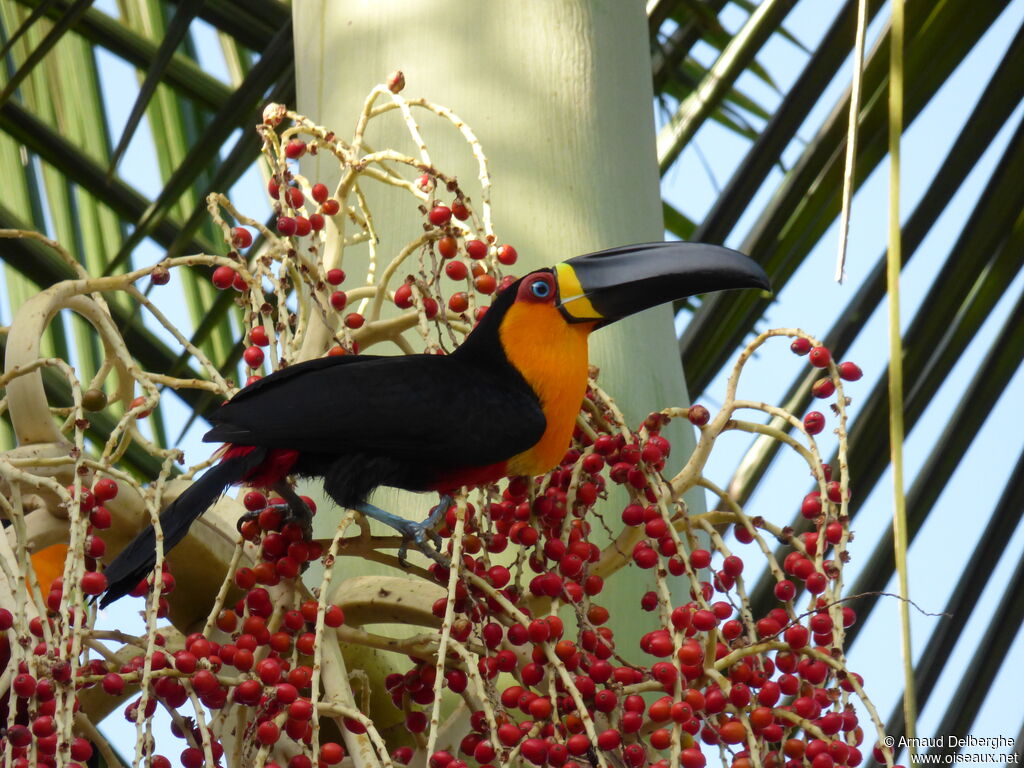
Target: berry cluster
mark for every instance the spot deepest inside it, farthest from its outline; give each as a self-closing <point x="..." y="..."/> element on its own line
<point x="457" y="250"/>
<point x="587" y="618"/>
<point x="769" y="690"/>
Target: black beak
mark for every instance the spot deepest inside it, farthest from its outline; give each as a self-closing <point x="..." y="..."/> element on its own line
<point x="608" y="285"/>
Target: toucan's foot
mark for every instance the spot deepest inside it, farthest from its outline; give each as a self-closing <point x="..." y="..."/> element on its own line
<point x="253" y="515"/>
<point x="414" y="533"/>
<point x="293" y="510"/>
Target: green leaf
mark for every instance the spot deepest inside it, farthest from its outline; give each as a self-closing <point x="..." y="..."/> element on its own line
<point x="180" y="73"/>
<point x="971" y="281"/>
<point x="750" y="7"/>
<point x="36" y="14"/>
<point x="175" y="33"/>
<point x="677" y="223"/>
<point x="696" y="108"/>
<point x="64" y="23"/>
<point x="994" y="108"/>
<point x="809" y="197"/>
<point x="55" y="149"/>
<point x="253" y="23"/>
<point x="717" y="36"/>
<point x="238" y="111"/>
<point x="782" y="129"/>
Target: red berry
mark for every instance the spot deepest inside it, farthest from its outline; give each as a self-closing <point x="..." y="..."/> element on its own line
<point x="476" y="249"/>
<point x="316" y="222"/>
<point x="258" y="336"/>
<point x="816" y="583"/>
<point x="268" y="732"/>
<point x="223" y="277"/>
<point x="733" y="566"/>
<point x="811" y="506"/>
<point x="439" y="215"/>
<point x="286" y="225"/>
<point x="485" y="283"/>
<point x="700" y="558"/>
<point x="823" y="388"/>
<point x="834" y="532"/>
<point x="113" y="684"/>
<point x="609" y="740"/>
<point x="319" y="192"/>
<point x="93" y="582"/>
<point x="578" y="744"/>
<point x="241" y="237"/>
<point x="796" y="636"/>
<point x="253" y="357"/>
<point x="104" y="489"/>
<point x="295" y="197"/>
<point x="330" y="207"/>
<point x="460" y="212"/>
<point x="335" y="276"/>
<point x="334" y="616"/>
<point x="834" y="491"/>
<point x="295" y="149"/>
<point x="24" y="685"/>
<point x="458" y="302"/>
<point x="302" y="226"/>
<point x="698" y="415"/>
<point x="339" y="300"/>
<point x="820" y="357"/>
<point x="850" y="371"/>
<point x="645" y="557"/>
<point x="354" y="320"/>
<point x="159" y="276"/>
<point x="814" y="422"/>
<point x="509" y="734"/>
<point x="403" y="296"/>
<point x="331" y="753"/>
<point x="703" y="620"/>
<point x="447" y="246"/>
<point x="81" y="749"/>
<point x="785" y="590"/>
<point x="456" y="270"/>
<point x="800" y="346"/>
<point x="507" y="255"/>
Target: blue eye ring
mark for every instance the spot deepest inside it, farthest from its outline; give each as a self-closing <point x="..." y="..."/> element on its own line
<point x="540" y="288"/>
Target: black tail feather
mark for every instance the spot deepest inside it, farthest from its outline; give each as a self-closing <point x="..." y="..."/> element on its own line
<point x="136" y="560"/>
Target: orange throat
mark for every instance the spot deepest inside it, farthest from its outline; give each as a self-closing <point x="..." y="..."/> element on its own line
<point x="551" y="354"/>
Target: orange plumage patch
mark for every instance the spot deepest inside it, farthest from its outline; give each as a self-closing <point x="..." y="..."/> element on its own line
<point x="48" y="564"/>
<point x="551" y="354"/>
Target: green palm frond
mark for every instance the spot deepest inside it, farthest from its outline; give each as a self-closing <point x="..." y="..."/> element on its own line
<point x="981" y="261"/>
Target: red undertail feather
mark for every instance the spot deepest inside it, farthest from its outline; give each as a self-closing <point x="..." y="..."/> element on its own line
<point x="275" y="468"/>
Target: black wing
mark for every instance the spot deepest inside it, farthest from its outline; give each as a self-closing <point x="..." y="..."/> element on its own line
<point x="430" y="408"/>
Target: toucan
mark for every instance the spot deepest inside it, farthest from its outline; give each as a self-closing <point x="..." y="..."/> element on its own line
<point x="504" y="403"/>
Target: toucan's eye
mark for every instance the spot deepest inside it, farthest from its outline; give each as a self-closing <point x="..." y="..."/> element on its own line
<point x="540" y="288"/>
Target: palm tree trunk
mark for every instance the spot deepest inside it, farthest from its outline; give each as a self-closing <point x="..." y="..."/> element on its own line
<point x="560" y="97"/>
